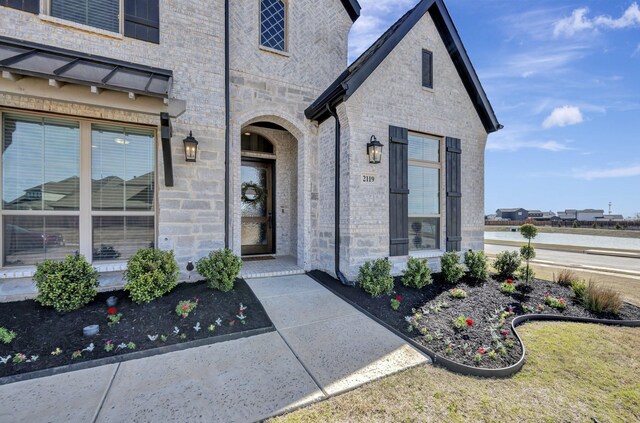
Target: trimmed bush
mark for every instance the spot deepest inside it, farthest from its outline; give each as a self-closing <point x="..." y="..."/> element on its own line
<point x="566" y="278"/>
<point x="528" y="231"/>
<point x="220" y="268"/>
<point x="476" y="262"/>
<point x="150" y="274"/>
<point x="507" y="263"/>
<point x="418" y="274"/>
<point x="375" y="277"/>
<point x="599" y="299"/>
<point x="66" y="285"/>
<point x="452" y="270"/>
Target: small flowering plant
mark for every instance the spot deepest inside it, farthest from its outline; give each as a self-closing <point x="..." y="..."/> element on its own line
<point x="458" y="293"/>
<point x="461" y="322"/>
<point x="184" y="308"/>
<point x="395" y="302"/>
<point x="559" y="303"/>
<point x="108" y="347"/>
<point x="449" y="349"/>
<point x="19" y="358"/>
<point x="76" y="354"/>
<point x="507" y="287"/>
<point x="56" y="352"/>
<point x="113" y="316"/>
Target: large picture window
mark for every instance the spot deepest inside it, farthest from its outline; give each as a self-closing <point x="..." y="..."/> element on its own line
<point x="424" y="192"/>
<point x="273" y="24"/>
<point x="75" y="187"/>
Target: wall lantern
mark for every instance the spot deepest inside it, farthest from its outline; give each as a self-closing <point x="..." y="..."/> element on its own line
<point x="190" y="148"/>
<point x="374" y="150"/>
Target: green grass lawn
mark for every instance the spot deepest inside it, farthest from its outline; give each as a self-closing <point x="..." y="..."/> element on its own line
<point x="574" y="372"/>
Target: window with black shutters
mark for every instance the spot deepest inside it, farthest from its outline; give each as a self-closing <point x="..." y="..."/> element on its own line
<point x="427" y="69"/>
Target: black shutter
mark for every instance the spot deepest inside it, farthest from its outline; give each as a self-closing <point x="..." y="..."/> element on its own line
<point x="31" y="6"/>
<point x="142" y="20"/>
<point x="399" y="191"/>
<point x="427" y="69"/>
<point x="454" y="194"/>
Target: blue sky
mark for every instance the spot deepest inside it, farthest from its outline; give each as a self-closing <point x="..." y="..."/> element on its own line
<point x="564" y="80"/>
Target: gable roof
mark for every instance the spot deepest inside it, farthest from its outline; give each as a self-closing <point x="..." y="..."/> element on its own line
<point x="353" y="8"/>
<point x="358" y="72"/>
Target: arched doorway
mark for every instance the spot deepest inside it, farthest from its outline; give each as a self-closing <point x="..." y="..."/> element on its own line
<point x="268" y="191"/>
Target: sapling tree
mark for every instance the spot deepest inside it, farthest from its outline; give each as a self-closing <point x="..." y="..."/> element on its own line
<point x="527" y="252"/>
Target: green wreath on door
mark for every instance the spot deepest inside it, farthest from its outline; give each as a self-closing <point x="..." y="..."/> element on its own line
<point x="252" y="193"/>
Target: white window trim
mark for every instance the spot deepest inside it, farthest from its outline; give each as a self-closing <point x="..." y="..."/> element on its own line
<point x="433" y="252"/>
<point x="284" y="52"/>
<point x="85" y="212"/>
<point x="45" y="15"/>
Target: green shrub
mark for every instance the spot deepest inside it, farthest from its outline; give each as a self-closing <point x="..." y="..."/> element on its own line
<point x="417" y="275"/>
<point x="375" y="278"/>
<point x="507" y="263"/>
<point x="578" y="287"/>
<point x="220" y="268"/>
<point x="452" y="270"/>
<point x="600" y="299"/>
<point x="150" y="274"/>
<point x="476" y="262"/>
<point x="559" y="303"/>
<point x="67" y="284"/>
<point x="6" y="335"/>
<point x="575" y="224"/>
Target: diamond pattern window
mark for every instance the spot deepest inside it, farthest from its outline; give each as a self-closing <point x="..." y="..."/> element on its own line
<point x="273" y="24"/>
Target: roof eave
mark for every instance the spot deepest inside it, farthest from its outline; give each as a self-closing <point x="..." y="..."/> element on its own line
<point x="353" y="9"/>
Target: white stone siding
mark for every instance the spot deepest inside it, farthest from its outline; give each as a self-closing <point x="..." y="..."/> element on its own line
<point x="393" y="95"/>
<point x="190" y="215"/>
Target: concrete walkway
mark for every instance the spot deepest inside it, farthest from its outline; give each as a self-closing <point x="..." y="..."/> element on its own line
<point x="322" y="347"/>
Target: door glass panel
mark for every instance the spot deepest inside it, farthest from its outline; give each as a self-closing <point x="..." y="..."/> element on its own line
<point x="254" y="187"/>
<point x="254" y="233"/>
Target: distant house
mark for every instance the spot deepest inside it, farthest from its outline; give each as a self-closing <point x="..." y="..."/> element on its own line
<point x="568" y="215"/>
<point x="512" y="214"/>
<point x="586" y="215"/>
<point x="610" y="218"/>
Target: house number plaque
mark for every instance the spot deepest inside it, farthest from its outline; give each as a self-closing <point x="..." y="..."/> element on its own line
<point x="368" y="178"/>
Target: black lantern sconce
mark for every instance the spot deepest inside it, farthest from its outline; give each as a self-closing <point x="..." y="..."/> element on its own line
<point x="374" y="150"/>
<point x="190" y="148"/>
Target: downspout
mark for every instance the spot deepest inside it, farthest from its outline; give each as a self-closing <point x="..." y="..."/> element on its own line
<point x="227" y="121"/>
<point x="339" y="275"/>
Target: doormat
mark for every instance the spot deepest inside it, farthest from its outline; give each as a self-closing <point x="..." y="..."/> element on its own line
<point x="260" y="258"/>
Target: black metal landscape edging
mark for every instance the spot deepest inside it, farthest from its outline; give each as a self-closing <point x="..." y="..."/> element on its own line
<point x="477" y="371"/>
<point x="135" y="355"/>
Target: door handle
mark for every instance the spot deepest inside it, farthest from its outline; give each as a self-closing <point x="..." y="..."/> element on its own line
<point x="270" y="218"/>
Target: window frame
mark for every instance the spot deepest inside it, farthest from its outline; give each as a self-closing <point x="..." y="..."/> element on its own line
<point x="45" y="12"/>
<point x="285" y="51"/>
<point x="439" y="165"/>
<point x="85" y="211"/>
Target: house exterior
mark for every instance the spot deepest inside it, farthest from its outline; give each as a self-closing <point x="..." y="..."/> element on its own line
<point x="97" y="111"/>
<point x="585" y="215"/>
<point x="518" y="214"/>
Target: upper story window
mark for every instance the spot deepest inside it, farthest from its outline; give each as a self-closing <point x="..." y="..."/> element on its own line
<point x="102" y="14"/>
<point x="427" y="69"/>
<point x="273" y="24"/>
<point x="424" y="192"/>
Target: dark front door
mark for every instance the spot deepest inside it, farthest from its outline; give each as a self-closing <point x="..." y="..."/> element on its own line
<point x="257" y="207"/>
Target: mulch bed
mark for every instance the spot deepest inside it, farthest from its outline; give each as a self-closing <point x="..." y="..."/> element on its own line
<point x="41" y="330"/>
<point x="484" y="304"/>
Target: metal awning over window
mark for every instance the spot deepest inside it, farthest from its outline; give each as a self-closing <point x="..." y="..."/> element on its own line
<point x="21" y="58"/>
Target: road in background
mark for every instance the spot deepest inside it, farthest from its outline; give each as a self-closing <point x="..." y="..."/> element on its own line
<point x="578" y="260"/>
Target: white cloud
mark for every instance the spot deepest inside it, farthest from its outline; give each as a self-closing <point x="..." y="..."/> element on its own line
<point x="376" y="17"/>
<point x="619" y="172"/>
<point x="575" y="23"/>
<point x="579" y="21"/>
<point x="563" y="116"/>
